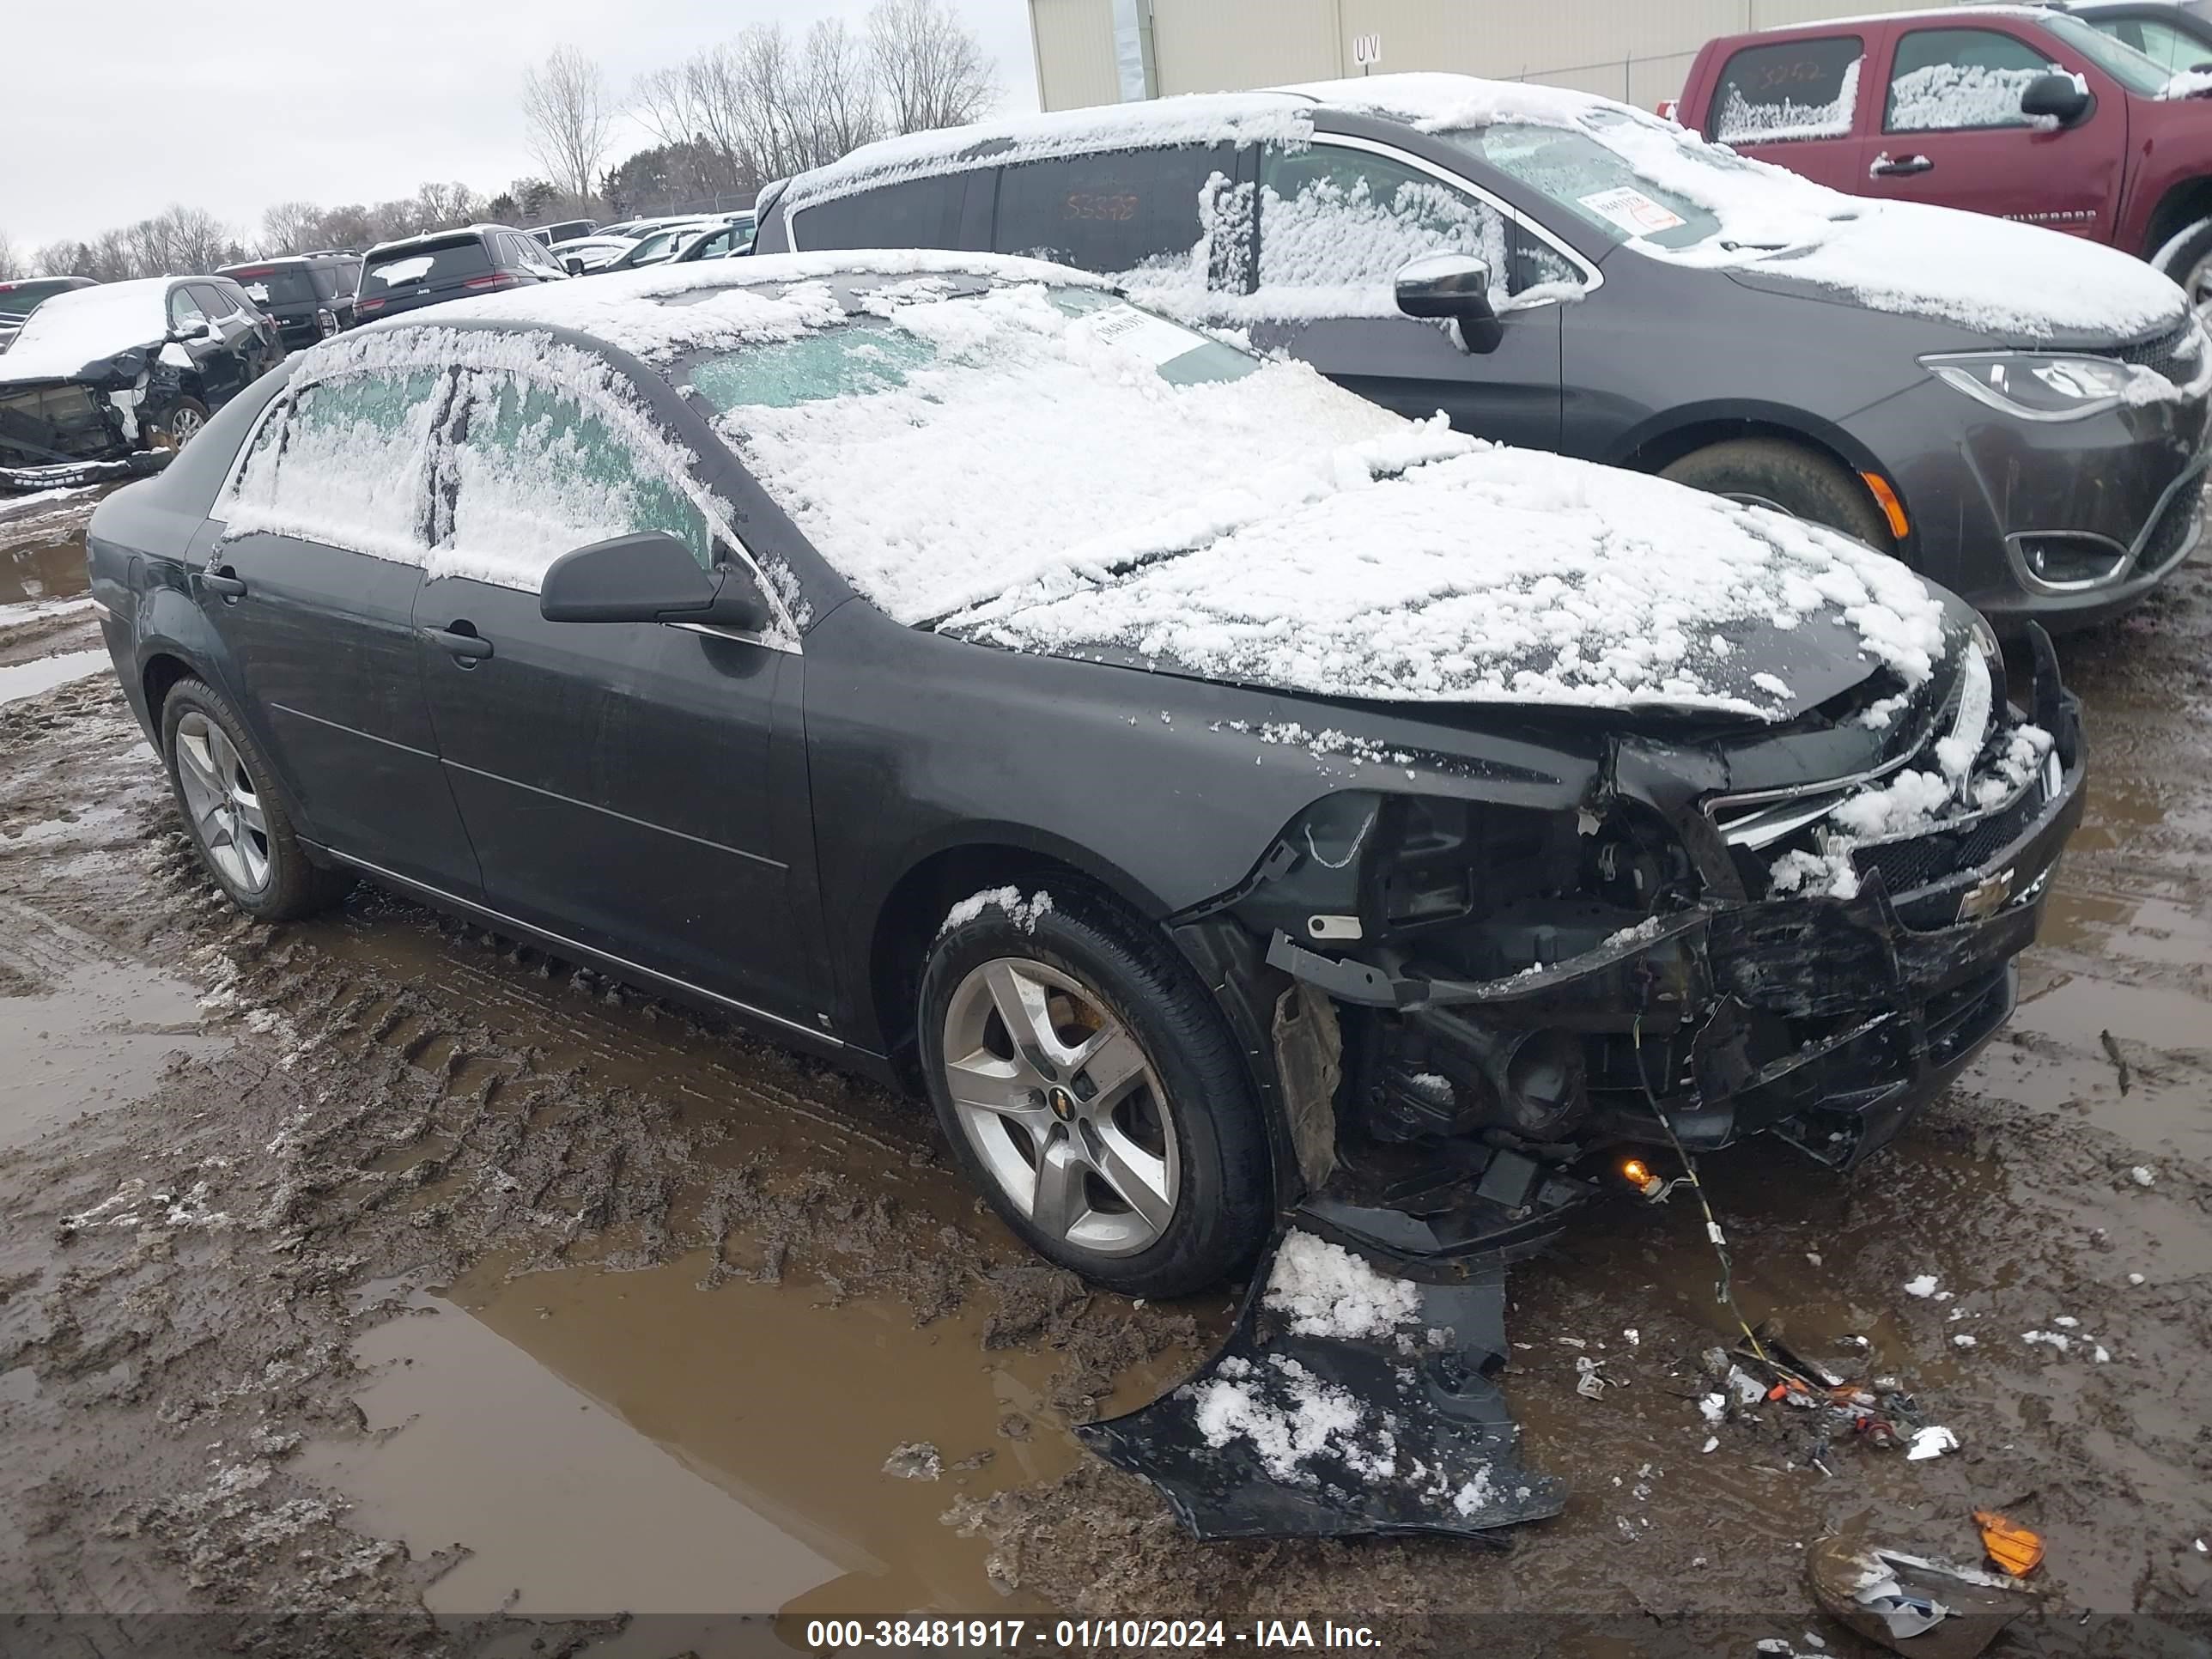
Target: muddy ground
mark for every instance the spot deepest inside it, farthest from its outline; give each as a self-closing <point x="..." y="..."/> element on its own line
<point x="376" y="1286"/>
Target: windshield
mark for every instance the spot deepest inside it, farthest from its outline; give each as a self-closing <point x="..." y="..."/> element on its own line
<point x="2133" y="70"/>
<point x="940" y="448"/>
<point x="1595" y="183"/>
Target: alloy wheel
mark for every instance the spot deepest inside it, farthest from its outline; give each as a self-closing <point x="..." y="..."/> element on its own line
<point x="2197" y="284"/>
<point x="1061" y="1106"/>
<point x="225" y="808"/>
<point x="184" y="426"/>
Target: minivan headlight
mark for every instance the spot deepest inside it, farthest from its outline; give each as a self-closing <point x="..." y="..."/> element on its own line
<point x="2034" y="385"/>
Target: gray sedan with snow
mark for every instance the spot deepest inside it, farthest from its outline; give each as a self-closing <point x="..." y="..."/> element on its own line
<point x="1216" y="793"/>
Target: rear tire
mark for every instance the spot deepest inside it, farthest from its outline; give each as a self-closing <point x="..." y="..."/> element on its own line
<point x="227" y="792"/>
<point x="1111" y="1121"/>
<point x="2187" y="258"/>
<point x="1774" y="472"/>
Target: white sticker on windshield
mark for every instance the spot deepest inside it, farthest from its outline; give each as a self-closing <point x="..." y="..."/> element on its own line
<point x="1155" y="340"/>
<point x="258" y="292"/>
<point x="1633" y="210"/>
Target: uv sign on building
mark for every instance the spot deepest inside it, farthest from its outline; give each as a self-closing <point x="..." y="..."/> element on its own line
<point x="1104" y="52"/>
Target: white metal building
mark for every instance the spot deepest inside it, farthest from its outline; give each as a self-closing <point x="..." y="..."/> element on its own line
<point x="1104" y="52"/>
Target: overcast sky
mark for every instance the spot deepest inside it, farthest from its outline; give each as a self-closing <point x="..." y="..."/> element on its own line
<point x="113" y="109"/>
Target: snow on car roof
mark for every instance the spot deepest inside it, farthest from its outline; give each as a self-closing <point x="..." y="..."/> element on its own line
<point x="84" y="324"/>
<point x="1202" y="118"/>
<point x="664" y="311"/>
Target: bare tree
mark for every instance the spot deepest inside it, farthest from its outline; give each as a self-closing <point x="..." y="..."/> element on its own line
<point x="10" y="266"/>
<point x="836" y="107"/>
<point x="291" y="227"/>
<point x="442" y="205"/>
<point x="569" y="119"/>
<point x="931" y="69"/>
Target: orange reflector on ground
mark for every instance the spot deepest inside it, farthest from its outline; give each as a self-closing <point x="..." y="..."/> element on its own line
<point x="2017" y="1549"/>
<point x="1885" y="498"/>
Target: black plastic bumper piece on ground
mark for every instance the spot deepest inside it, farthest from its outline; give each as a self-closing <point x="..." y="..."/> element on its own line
<point x="1435" y="1451"/>
<point x="69" y="475"/>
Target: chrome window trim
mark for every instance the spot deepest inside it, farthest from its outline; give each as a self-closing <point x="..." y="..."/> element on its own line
<point x="1592" y="278"/>
<point x="718" y="522"/>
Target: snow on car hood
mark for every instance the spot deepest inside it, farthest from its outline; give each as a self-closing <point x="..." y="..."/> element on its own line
<point x="1670" y="194"/>
<point x="1042" y="466"/>
<point x="84" y="325"/>
<point x="1504" y="577"/>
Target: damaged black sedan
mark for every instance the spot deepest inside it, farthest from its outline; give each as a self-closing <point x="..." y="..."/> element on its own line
<point x="109" y="380"/>
<point x="1223" y="798"/>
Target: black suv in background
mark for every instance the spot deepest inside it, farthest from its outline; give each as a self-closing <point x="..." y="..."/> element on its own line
<point x="309" y="295"/>
<point x="19" y="298"/>
<point x="451" y="264"/>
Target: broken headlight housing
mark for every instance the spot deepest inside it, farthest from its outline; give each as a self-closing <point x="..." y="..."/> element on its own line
<point x="2035" y="385"/>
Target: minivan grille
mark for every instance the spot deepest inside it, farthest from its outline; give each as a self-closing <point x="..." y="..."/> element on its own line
<point x="2177" y="354"/>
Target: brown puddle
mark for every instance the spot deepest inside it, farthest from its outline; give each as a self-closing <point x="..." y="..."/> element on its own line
<point x="611" y="1442"/>
<point x="85" y="1035"/>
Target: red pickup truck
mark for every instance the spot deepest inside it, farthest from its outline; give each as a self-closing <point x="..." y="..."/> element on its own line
<point x="2025" y="111"/>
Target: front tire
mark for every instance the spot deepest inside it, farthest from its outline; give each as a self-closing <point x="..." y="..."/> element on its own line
<point x="1774" y="472"/>
<point x="184" y="423"/>
<point x="238" y="824"/>
<point x="2187" y="258"/>
<point x="1092" y="1092"/>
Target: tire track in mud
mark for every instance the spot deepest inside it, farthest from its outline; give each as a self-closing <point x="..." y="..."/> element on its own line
<point x="175" y="1291"/>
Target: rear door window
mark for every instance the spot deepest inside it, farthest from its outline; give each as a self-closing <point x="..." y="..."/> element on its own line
<point x="1797" y="89"/>
<point x="1957" y="80"/>
<point x="952" y="210"/>
<point x="1135" y="211"/>
<point x="345" y="463"/>
<point x="538" y="472"/>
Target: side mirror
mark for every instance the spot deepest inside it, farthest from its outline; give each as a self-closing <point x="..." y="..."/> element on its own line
<point x="649" y="577"/>
<point x="2060" y="97"/>
<point x="186" y="331"/>
<point x="1455" y="286"/>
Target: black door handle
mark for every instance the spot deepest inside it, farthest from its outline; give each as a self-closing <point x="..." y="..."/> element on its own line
<point x="223" y="582"/>
<point x="461" y="640"/>
<point x="1883" y="168"/>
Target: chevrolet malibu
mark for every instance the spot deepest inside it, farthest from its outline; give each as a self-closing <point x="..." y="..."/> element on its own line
<point x="1217" y="793"/>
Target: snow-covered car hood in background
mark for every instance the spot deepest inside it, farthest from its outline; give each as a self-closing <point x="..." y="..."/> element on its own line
<point x="84" y="325"/>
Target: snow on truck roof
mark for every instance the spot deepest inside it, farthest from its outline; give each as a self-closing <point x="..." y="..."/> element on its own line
<point x="1030" y="461"/>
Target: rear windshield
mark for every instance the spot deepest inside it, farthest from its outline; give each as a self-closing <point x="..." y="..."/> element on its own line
<point x="21" y="298"/>
<point x="280" y="285"/>
<point x="419" y="265"/>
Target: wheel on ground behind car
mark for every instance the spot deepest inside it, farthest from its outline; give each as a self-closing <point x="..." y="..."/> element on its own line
<point x="1775" y="472"/>
<point x="182" y="423"/>
<point x="2186" y="257"/>
<point x="1091" y="1088"/>
<point x="238" y="824"/>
